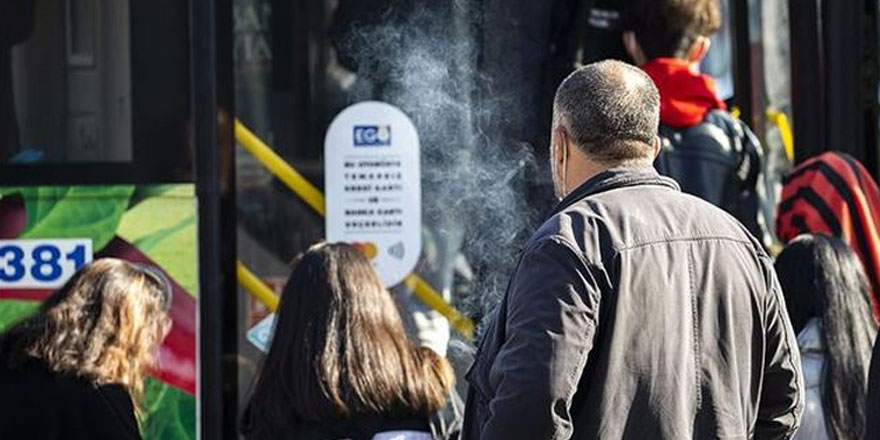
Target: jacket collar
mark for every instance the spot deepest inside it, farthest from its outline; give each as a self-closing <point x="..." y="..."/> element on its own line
<point x="615" y="178"/>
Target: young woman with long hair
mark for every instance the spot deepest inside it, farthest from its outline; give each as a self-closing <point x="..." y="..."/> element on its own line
<point x="827" y="296"/>
<point x="75" y="369"/>
<point x="340" y="365"/>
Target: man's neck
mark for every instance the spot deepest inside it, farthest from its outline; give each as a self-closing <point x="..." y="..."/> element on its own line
<point x="585" y="170"/>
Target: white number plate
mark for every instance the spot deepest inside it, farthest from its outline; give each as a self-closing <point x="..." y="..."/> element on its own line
<point x="41" y="263"/>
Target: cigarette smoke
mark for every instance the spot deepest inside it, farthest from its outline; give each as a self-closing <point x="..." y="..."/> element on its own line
<point x="424" y="59"/>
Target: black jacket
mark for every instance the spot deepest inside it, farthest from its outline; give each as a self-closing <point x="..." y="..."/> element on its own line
<point x="36" y="404"/>
<point x="355" y="428"/>
<point x="719" y="160"/>
<point x="444" y="425"/>
<point x="638" y="312"/>
<point x="872" y="414"/>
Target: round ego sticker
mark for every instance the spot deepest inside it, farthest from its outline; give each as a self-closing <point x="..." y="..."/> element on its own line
<point x="372" y="180"/>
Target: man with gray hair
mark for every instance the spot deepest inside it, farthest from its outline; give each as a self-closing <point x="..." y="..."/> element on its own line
<point x="635" y="311"/>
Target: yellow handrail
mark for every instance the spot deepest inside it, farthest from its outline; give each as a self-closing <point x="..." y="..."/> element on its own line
<point x="281" y="169"/>
<point x="314" y="198"/>
<point x="780" y="119"/>
<point x="256" y="287"/>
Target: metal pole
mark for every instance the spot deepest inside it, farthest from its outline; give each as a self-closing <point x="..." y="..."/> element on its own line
<point x="748" y="71"/>
<point x="807" y="78"/>
<point x="846" y="86"/>
<point x="211" y="73"/>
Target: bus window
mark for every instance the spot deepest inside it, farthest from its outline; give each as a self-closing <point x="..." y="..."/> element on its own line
<point x="96" y="82"/>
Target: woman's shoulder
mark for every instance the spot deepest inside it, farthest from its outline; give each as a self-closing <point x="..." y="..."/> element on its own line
<point x="445" y="424"/>
<point x="29" y="374"/>
<point x="64" y="400"/>
<point x="35" y="376"/>
<point x="357" y="427"/>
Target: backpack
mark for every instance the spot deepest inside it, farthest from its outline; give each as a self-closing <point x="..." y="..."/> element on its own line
<point x="720" y="161"/>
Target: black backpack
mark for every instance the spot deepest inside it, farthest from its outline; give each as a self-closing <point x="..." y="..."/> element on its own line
<point x="720" y="161"/>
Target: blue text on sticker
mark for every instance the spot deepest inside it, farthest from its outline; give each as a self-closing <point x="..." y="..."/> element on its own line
<point x="372" y="135"/>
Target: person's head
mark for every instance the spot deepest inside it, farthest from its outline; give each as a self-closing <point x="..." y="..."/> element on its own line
<point x="834" y="194"/>
<point x="339" y="349"/>
<point x="821" y="277"/>
<point x="104" y="325"/>
<point x="605" y="115"/>
<point x="671" y="29"/>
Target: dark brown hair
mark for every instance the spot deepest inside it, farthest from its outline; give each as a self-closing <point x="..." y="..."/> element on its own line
<point x="339" y="348"/>
<point x="668" y="28"/>
<point x="104" y="325"/>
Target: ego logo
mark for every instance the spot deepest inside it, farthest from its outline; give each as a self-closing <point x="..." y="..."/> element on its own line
<point x="372" y="135"/>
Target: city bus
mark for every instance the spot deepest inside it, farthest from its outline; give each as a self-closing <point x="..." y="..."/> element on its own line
<point x="192" y="136"/>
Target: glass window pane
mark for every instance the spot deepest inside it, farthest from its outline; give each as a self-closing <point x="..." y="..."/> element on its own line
<point x="91" y="82"/>
<point x="81" y="28"/>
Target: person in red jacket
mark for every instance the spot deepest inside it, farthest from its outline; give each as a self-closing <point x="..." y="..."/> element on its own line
<point x="710" y="153"/>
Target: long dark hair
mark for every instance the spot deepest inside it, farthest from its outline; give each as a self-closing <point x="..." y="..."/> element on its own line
<point x="822" y="277"/>
<point x="339" y="348"/>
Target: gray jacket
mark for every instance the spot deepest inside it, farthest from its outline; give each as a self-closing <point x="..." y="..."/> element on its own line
<point x="637" y="311"/>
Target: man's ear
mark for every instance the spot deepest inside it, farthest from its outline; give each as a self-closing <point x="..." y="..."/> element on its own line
<point x="699" y="49"/>
<point x="560" y="144"/>
<point x="656" y="145"/>
<point x="633" y="48"/>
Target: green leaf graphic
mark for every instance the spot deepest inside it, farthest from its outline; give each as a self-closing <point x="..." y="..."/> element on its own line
<point x="144" y="192"/>
<point x="74" y="212"/>
<point x="150" y="242"/>
<point x="164" y="228"/>
<point x="170" y="413"/>
<point x="12" y="311"/>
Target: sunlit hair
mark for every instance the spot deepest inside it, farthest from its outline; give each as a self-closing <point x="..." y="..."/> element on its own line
<point x="821" y="277"/>
<point x="104" y="325"/>
<point x="339" y="348"/>
<point x="668" y="28"/>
